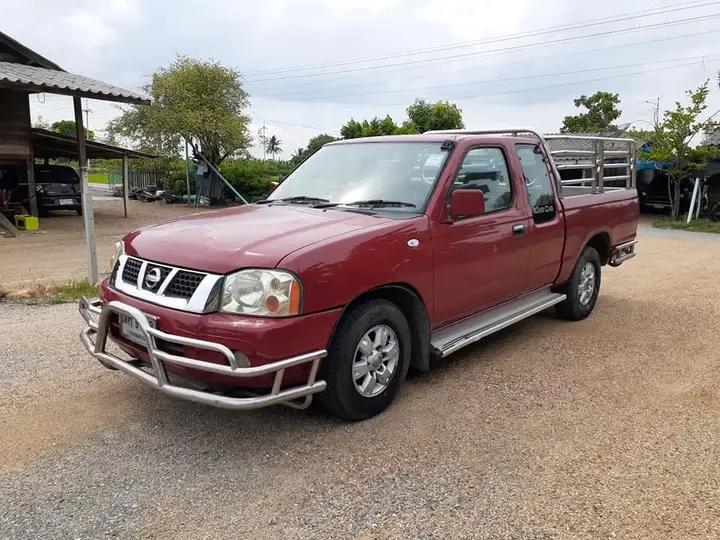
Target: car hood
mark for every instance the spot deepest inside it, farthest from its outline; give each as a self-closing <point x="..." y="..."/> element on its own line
<point x="248" y="236"/>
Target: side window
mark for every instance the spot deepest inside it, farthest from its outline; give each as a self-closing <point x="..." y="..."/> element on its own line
<point x="538" y="182"/>
<point x="486" y="169"/>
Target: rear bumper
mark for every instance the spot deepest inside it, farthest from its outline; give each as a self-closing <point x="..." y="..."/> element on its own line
<point x="622" y="253"/>
<point x="97" y="316"/>
<point x="52" y="202"/>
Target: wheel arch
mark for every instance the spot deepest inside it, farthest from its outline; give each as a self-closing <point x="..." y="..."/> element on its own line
<point x="409" y="301"/>
<point x="602" y="244"/>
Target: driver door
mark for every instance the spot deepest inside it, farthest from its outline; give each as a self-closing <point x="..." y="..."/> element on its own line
<point x="481" y="261"/>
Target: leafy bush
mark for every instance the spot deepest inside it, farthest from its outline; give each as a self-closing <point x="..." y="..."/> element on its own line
<point x="251" y="177"/>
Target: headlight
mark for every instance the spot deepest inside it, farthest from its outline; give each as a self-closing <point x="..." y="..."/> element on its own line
<point x="119" y="250"/>
<point x="264" y="293"/>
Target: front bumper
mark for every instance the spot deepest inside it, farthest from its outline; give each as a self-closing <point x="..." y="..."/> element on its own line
<point x="94" y="337"/>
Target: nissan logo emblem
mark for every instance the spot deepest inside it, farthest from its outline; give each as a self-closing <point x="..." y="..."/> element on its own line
<point x="152" y="277"/>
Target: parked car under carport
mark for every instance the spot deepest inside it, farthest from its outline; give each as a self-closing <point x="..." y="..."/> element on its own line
<point x="57" y="188"/>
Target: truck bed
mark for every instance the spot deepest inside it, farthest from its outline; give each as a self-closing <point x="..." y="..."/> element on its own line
<point x="616" y="210"/>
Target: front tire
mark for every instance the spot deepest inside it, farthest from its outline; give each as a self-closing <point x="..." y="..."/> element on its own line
<point x="367" y="360"/>
<point x="582" y="288"/>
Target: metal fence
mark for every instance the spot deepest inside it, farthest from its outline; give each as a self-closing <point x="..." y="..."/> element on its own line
<point x="136" y="179"/>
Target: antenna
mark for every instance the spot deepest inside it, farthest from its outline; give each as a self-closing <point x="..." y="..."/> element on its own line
<point x="655" y="110"/>
<point x="263" y="139"/>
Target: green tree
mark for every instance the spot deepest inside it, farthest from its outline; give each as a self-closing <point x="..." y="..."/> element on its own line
<point x="301" y="154"/>
<point x="671" y="142"/>
<point x="601" y="112"/>
<point x="352" y="129"/>
<point x="318" y="141"/>
<point x="424" y="116"/>
<point x="198" y="100"/>
<point x="67" y="127"/>
<point x="370" y="128"/>
<point x="273" y="146"/>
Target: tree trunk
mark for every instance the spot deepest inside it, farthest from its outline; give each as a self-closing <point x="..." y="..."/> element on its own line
<point x="676" y="200"/>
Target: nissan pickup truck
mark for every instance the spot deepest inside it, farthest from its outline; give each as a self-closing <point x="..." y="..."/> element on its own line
<point x="372" y="257"/>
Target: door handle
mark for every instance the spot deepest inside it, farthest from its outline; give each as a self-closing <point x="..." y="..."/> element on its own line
<point x="518" y="229"/>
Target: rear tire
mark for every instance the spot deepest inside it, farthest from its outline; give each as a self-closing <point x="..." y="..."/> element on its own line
<point x="367" y="360"/>
<point x="582" y="288"/>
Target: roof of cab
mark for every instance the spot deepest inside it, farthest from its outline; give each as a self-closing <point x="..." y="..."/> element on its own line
<point x="436" y="137"/>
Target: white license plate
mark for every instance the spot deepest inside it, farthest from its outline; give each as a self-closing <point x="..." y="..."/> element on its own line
<point x="66" y="201"/>
<point x="130" y="329"/>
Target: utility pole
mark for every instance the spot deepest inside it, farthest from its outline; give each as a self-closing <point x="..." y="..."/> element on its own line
<point x="263" y="140"/>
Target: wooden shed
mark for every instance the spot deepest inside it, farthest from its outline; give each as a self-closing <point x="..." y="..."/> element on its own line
<point x="24" y="72"/>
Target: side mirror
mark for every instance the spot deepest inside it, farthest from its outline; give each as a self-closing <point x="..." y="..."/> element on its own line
<point x="466" y="203"/>
<point x="272" y="186"/>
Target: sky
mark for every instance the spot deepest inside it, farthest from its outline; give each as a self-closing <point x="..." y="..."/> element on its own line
<point x="311" y="65"/>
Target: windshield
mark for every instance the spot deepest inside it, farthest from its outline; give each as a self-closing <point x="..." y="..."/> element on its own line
<point x="56" y="174"/>
<point x="399" y="172"/>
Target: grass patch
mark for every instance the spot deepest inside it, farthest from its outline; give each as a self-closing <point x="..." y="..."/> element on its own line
<point x="99" y="178"/>
<point x="697" y="225"/>
<point x="71" y="291"/>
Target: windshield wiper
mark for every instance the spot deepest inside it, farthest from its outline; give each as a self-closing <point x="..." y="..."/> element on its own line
<point x="295" y="199"/>
<point x="380" y="203"/>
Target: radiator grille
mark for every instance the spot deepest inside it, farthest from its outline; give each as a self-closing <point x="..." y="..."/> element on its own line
<point x="184" y="284"/>
<point x="131" y="270"/>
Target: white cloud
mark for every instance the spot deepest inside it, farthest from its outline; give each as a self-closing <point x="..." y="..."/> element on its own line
<point x="125" y="41"/>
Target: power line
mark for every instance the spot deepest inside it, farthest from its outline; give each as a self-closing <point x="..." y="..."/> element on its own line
<point x="314" y="89"/>
<point x="534" y="88"/>
<point x="531" y="33"/>
<point x="301" y="126"/>
<point x="503" y="49"/>
<point x="515" y="78"/>
<point x="573" y="83"/>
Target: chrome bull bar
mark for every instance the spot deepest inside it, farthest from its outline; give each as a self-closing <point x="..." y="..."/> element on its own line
<point x="94" y="337"/>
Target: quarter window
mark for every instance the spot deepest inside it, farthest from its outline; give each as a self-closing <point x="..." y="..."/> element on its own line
<point x="539" y="184"/>
<point x="486" y="169"/>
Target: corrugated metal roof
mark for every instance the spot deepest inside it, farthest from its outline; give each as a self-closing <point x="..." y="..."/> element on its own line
<point x="25" y="54"/>
<point x="50" y="144"/>
<point x="38" y="79"/>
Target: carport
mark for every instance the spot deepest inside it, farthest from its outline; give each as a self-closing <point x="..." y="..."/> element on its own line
<point x="24" y="72"/>
<point x="51" y="145"/>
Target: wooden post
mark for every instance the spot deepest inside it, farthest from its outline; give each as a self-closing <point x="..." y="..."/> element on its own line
<point x="125" y="182"/>
<point x="32" y="189"/>
<point x="32" y="193"/>
<point x="9" y="227"/>
<point x="87" y="205"/>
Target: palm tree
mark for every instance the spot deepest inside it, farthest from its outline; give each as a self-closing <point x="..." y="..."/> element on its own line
<point x="273" y="146"/>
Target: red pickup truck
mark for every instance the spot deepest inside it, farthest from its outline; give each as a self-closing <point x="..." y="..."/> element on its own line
<point x="374" y="256"/>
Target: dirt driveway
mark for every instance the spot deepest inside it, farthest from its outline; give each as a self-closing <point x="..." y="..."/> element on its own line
<point x="604" y="428"/>
<point x="57" y="253"/>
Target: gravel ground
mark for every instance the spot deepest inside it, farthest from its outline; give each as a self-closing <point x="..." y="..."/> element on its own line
<point x="57" y="254"/>
<point x="606" y="427"/>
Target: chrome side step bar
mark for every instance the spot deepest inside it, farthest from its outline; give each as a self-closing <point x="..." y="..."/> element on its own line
<point x="622" y="253"/>
<point x="451" y="338"/>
